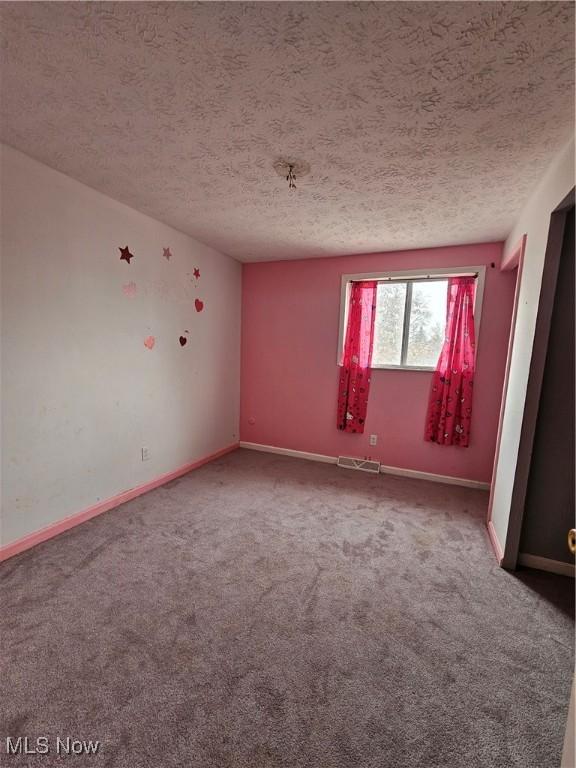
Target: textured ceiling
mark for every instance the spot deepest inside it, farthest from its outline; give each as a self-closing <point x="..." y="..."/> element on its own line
<point x="423" y="123"/>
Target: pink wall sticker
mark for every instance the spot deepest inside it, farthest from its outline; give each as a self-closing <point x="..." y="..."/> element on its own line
<point x="167" y="254"/>
<point x="129" y="289"/>
<point x="199" y="305"/>
<point x="149" y="342"/>
<point x="196" y="273"/>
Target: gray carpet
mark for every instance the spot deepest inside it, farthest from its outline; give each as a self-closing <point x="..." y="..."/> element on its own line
<point x="265" y="611"/>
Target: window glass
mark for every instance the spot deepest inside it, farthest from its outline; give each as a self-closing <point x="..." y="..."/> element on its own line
<point x="427" y="323"/>
<point x="389" y="323"/>
<point x="425" y="303"/>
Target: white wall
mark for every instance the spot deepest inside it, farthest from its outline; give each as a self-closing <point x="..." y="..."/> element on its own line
<point x="81" y="393"/>
<point x="534" y="221"/>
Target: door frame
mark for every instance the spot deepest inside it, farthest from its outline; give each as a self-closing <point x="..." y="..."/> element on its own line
<point x="516" y="261"/>
<point x="536" y="376"/>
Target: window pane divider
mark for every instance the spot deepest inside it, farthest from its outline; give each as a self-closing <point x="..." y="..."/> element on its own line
<point x="406" y="324"/>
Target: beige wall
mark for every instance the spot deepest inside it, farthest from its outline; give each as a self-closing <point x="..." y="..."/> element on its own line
<point x="81" y="394"/>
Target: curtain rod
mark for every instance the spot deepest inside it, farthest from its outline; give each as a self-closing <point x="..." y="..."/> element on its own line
<point x="400" y="279"/>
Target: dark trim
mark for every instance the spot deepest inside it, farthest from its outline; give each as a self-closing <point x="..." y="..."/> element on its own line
<point x="535" y="378"/>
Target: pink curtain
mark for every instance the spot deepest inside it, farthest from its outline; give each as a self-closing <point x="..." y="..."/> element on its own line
<point x="354" y="382"/>
<point x="450" y="404"/>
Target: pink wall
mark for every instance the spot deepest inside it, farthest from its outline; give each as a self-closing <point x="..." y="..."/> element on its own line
<point x="290" y="314"/>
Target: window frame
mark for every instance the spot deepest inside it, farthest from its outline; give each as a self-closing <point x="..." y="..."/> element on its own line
<point x="409" y="276"/>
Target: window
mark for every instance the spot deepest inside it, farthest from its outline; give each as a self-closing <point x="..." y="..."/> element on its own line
<point x="410" y="322"/>
<point x="410" y="315"/>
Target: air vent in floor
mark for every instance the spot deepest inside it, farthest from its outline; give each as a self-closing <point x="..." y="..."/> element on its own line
<point x="365" y="465"/>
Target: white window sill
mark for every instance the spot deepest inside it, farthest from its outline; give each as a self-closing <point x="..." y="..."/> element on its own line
<point x="402" y="368"/>
<point x="398" y="368"/>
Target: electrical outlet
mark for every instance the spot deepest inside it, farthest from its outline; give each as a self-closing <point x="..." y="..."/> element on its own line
<point x="373" y="439"/>
<point x="145" y="454"/>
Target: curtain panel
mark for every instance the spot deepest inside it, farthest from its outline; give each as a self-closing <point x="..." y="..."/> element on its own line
<point x="450" y="404"/>
<point x="354" y="375"/>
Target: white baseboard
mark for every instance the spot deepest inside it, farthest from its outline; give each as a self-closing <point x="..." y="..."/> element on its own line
<point x="289" y="452"/>
<point x="432" y="478"/>
<point x="398" y="471"/>
<point x="546" y="564"/>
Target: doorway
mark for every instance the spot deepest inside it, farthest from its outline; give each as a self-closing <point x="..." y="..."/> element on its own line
<point x="542" y="508"/>
<point x="549" y="507"/>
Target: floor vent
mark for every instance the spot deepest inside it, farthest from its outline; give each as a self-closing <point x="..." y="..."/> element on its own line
<point x="366" y="465"/>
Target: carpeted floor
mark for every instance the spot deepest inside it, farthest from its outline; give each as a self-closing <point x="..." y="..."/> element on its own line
<point x="265" y="611"/>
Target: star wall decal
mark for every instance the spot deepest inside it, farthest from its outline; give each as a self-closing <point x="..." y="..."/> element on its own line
<point x="167" y="255"/>
<point x="196" y="273"/>
<point x="126" y="255"/>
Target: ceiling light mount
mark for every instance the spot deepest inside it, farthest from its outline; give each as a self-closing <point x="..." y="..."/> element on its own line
<point x="291" y="169"/>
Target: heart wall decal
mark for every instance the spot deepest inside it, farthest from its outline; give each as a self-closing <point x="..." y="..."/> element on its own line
<point x="149" y="342"/>
<point x="183" y="341"/>
<point x="199" y="305"/>
<point x="129" y="289"/>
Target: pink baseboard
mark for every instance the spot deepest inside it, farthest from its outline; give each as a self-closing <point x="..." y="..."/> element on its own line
<point x="103" y="506"/>
<point x="495" y="543"/>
